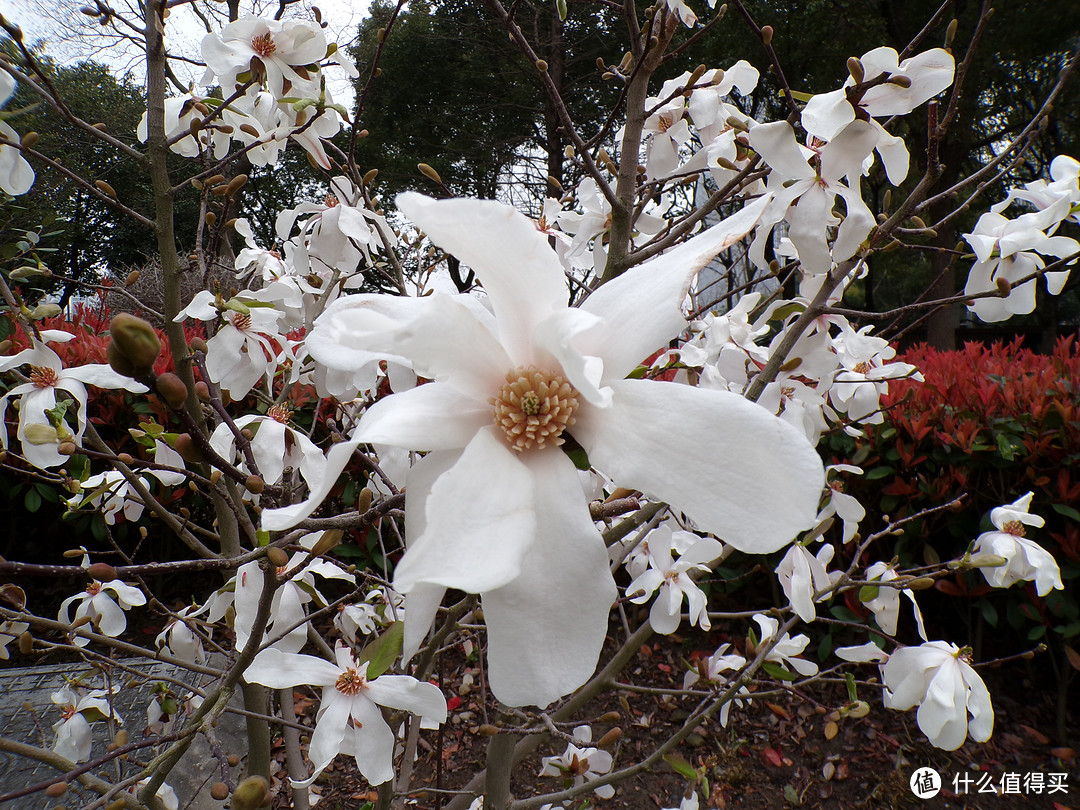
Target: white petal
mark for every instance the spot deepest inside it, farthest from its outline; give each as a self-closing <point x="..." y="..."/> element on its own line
<point x="827" y="113"/>
<point x="547" y="627"/>
<point x="642" y="308"/>
<point x="280" y="670"/>
<point x="710" y="454"/>
<point x="481" y="521"/>
<point x="326" y="740"/>
<point x="435" y="416"/>
<point x="942" y="717"/>
<point x="371" y="744"/>
<point x="406" y="693"/>
<point x="512" y="259"/>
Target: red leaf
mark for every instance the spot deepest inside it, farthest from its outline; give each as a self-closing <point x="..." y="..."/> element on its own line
<point x="453" y="703"/>
<point x="774" y="757"/>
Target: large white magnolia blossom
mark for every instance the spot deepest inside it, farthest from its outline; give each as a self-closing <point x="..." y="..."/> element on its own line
<point x="1024" y="560"/>
<point x="39" y="436"/>
<point x="935" y="677"/>
<point x="16" y="175"/>
<point x="349" y="721"/>
<point x="496" y="507"/>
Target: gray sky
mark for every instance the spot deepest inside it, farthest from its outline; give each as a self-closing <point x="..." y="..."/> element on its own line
<point x="72" y="37"/>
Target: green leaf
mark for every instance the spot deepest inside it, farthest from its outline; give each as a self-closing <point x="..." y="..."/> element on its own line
<point x="383" y="651"/>
<point x="878" y="472"/>
<point x="792" y="796"/>
<point x="1036" y="632"/>
<point x="262" y="537"/>
<point x="561" y="4"/>
<point x="1067" y="511"/>
<point x="777" y="671"/>
<point x="852" y="691"/>
<point x="681" y="766"/>
<point x="579" y="457"/>
<point x="868" y="593"/>
<point x="32" y="501"/>
<point x="989" y="612"/>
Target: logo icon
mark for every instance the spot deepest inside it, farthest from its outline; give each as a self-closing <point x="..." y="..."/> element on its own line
<point x="925" y="783"/>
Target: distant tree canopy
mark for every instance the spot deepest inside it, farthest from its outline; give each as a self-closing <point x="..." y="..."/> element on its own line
<point x="455" y="92"/>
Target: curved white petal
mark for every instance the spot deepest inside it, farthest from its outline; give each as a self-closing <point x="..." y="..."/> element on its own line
<point x="546" y="627"/>
<point x="371" y="742"/>
<point x="642" y="308"/>
<point x="827" y="113"/>
<point x="408" y="694"/>
<point x="481" y="521"/>
<point x="512" y="259"/>
<point x="732" y="467"/>
<point x="435" y="416"/>
<point x="281" y="670"/>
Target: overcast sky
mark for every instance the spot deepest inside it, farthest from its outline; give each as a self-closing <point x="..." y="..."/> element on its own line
<point x="72" y="37"/>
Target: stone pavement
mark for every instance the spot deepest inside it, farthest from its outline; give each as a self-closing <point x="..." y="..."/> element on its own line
<point x="27" y="715"/>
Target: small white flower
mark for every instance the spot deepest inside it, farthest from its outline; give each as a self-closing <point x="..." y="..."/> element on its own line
<point x="73" y="736"/>
<point x="712" y="671"/>
<point x="349" y="720"/>
<point x="106" y="611"/>
<point x="785" y="650"/>
<point x="802" y="574"/>
<point x="935" y="677"/>
<point x="1026" y="560"/>
<point x="672" y="578"/>
<point x="580" y="764"/>
<point x="16" y="175"/>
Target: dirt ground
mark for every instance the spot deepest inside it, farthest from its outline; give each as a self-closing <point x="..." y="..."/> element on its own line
<point x="778" y="752"/>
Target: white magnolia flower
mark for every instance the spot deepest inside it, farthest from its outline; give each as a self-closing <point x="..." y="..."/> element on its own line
<point x="285" y="50"/>
<point x="1026" y="560"/>
<point x="1009" y="250"/>
<point x="180" y="640"/>
<point x="805" y="183"/>
<point x="104" y="603"/>
<point x="16" y="175"/>
<point x="711" y="670"/>
<point x="246" y="346"/>
<point x="9" y="631"/>
<point x="844" y="506"/>
<point x="79" y="708"/>
<point x="180" y="112"/>
<point x="349" y="721"/>
<point x="910" y="83"/>
<point x="380" y="607"/>
<point x="165" y="794"/>
<point x="803" y="574"/>
<point x="39" y="397"/>
<point x="785" y="650"/>
<point x="935" y="677"/>
<point x="672" y="578"/>
<point x="580" y="764"/>
<point x="496" y="507"/>
<point x="862" y="377"/>
<point x="275" y="446"/>
<point x="112" y="493"/>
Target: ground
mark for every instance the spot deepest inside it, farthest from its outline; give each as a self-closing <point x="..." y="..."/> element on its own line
<point x="780" y="752"/>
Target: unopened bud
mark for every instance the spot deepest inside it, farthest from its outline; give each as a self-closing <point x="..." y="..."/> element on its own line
<point x="278" y="557"/>
<point x="26" y="643"/>
<point x="950" y="32"/>
<point x="211" y="218"/>
<point x="136" y="340"/>
<point x="215" y="476"/>
<point x="370" y="176"/>
<point x="103" y="572"/>
<point x="131" y="279"/>
<point x="188" y="450"/>
<point x="251" y="794"/>
<point x="363" y="500"/>
<point x="233" y="760"/>
<point x="219" y="791"/>
<point x="202" y="391"/>
<point x="1004" y="286"/>
<point x="855" y="68"/>
<point x="171" y="389"/>
<point x="900" y="80"/>
<point x="609" y="739"/>
<point x="105" y="188"/>
<point x="56" y="789"/>
<point x="67" y="448"/>
<point x="920" y="584"/>
<point x="487" y="730"/>
<point x="30" y="139"/>
<point x="121" y="738"/>
<point x="215" y="180"/>
<point x="254" y="484"/>
<point x="197" y="344"/>
<point x="235" y="185"/>
<point x="766" y="34"/>
<point x="610" y="717"/>
<point x="989" y="561"/>
<point x="541" y="65"/>
<point x="125" y="458"/>
<point x="429" y="172"/>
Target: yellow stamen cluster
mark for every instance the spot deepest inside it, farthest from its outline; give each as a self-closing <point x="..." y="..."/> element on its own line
<point x="263" y="44"/>
<point x="280" y="413"/>
<point x="42" y="377"/>
<point x="351" y="682"/>
<point x="534" y="407"/>
<point x="1014" y="527"/>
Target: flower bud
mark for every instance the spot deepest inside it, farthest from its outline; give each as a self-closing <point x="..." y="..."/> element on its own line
<point x="136" y="340"/>
<point x="171" y="389"/>
<point x="541" y="65"/>
<point x="278" y="557"/>
<point x="197" y="344"/>
<point x="188" y="450"/>
<point x="30" y="139"/>
<point x="330" y="540"/>
<point x="202" y="391"/>
<point x="235" y="185"/>
<point x="989" y="561"/>
<point x="370" y="176"/>
<point x="920" y="584"/>
<point x="610" y="717"/>
<point x="251" y="794"/>
<point x="211" y="219"/>
<point x="900" y="81"/>
<point x="363" y="500"/>
<point x="131" y="278"/>
<point x="26" y="643"/>
<point x="102" y="572"/>
<point x="1004" y="286"/>
<point x="429" y="172"/>
<point x="219" y="791"/>
<point x="105" y="188"/>
<point x="254" y="484"/>
<point x="487" y="730"/>
<point x="67" y="448"/>
<point x="215" y="180"/>
<point x="125" y="458"/>
<point x="766" y="34"/>
<point x="609" y="739"/>
<point x="56" y="789"/>
<point x="233" y="760"/>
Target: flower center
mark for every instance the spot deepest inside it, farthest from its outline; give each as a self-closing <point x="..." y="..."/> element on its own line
<point x="331" y="201"/>
<point x="280" y="413"/>
<point x="534" y="407"/>
<point x="1014" y="527"/>
<point x="42" y="377"/>
<point x="94" y="588"/>
<point x="241" y="321"/>
<point x="351" y="682"/>
<point x="862" y="368"/>
<point x="263" y="44"/>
